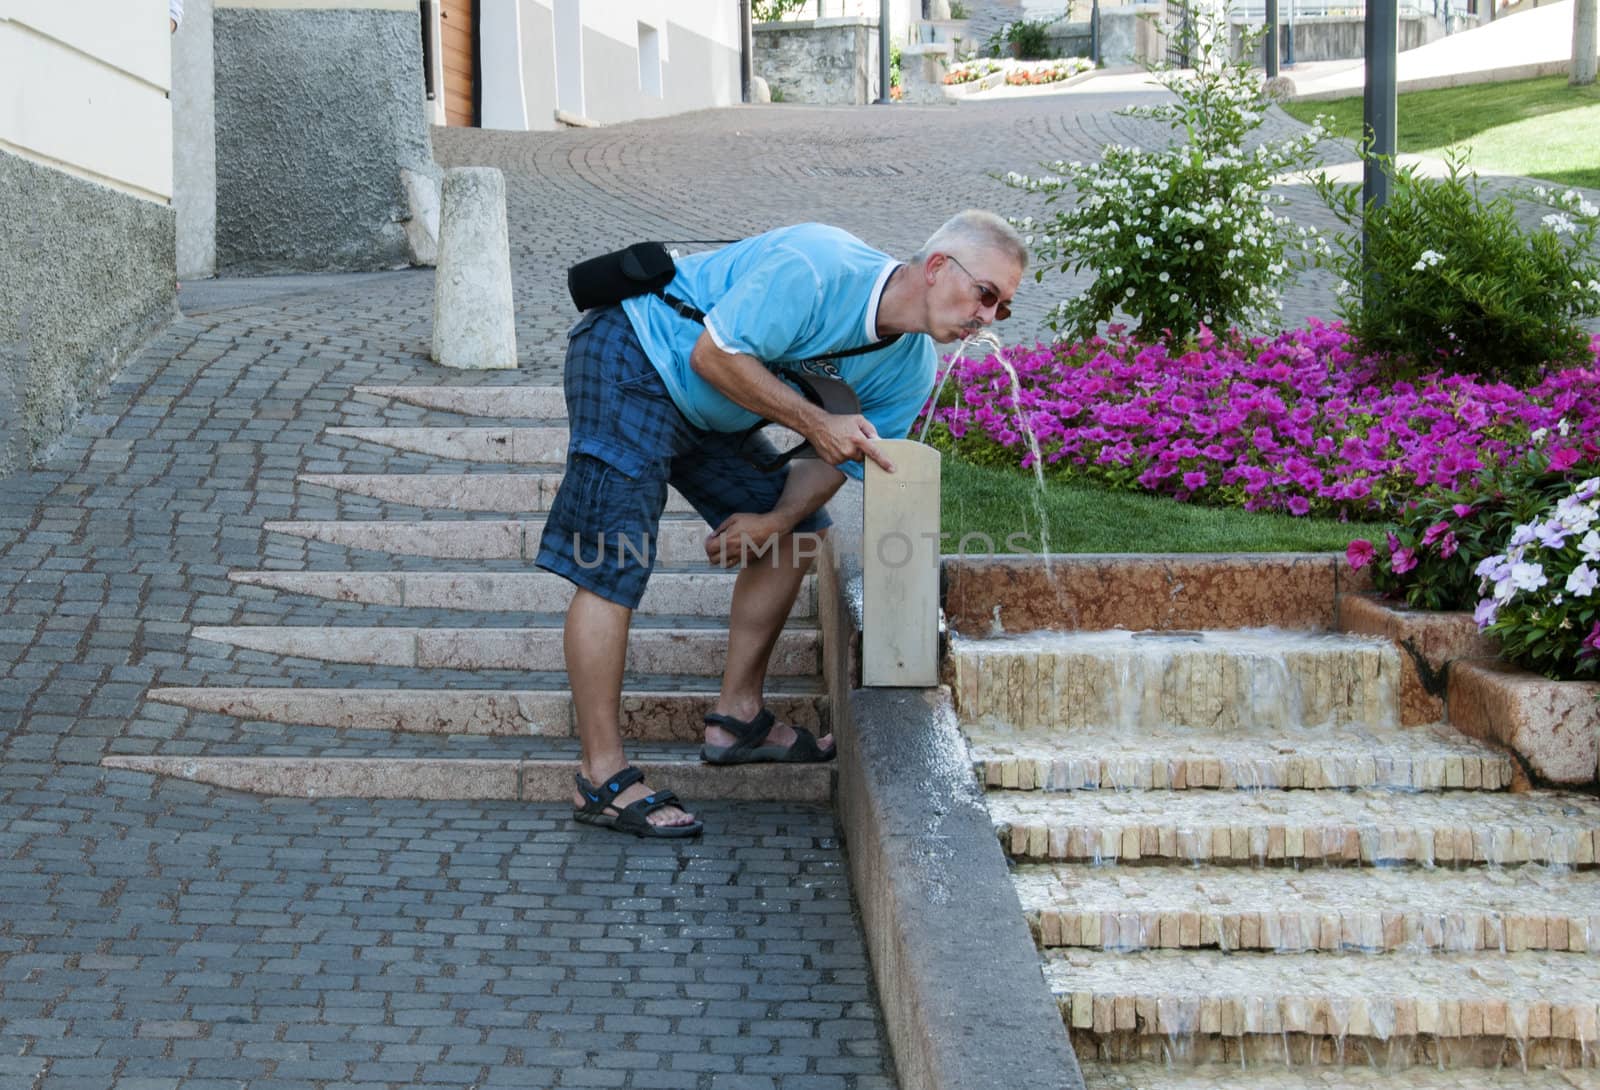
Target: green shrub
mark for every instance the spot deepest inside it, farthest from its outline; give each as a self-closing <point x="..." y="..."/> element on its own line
<point x="1026" y="39"/>
<point x="1187" y="234"/>
<point x="1457" y="283"/>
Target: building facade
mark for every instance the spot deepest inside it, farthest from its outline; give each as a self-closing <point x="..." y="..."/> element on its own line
<point x="87" y="241"/>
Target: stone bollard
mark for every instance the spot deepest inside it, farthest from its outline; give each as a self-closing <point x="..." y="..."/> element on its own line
<point x="473" y="323"/>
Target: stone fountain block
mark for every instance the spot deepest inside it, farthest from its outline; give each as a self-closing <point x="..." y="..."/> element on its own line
<point x="1091" y="592"/>
<point x="1428" y="641"/>
<point x="1553" y="725"/>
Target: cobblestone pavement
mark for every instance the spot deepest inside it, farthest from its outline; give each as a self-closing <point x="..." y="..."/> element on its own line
<point x="164" y="935"/>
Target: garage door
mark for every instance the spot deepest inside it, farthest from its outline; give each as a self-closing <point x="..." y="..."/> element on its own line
<point x="458" y="45"/>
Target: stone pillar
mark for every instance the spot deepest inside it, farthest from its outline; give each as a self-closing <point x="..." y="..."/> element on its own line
<point x="900" y="568"/>
<point x="473" y="324"/>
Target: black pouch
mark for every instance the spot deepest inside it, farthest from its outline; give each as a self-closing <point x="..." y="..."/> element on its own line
<point x="610" y="278"/>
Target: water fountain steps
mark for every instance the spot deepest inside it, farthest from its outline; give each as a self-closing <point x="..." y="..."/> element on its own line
<point x="1162" y="1076"/>
<point x="1458" y="1009"/>
<point x="1289" y="827"/>
<point x="688" y="594"/>
<point x="1079" y="680"/>
<point x="431" y="738"/>
<point x="679" y="542"/>
<point x="1328" y="909"/>
<point x="687" y="651"/>
<point x="648" y="714"/>
<point x="506" y="493"/>
<point x="1155" y="758"/>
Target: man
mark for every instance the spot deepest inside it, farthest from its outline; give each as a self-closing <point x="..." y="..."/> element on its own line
<point x="655" y="398"/>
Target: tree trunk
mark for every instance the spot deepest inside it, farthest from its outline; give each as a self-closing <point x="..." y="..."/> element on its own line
<point x="1583" y="42"/>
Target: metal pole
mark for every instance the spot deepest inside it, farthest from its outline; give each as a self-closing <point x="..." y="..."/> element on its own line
<point x="883" y="53"/>
<point x="1272" y="39"/>
<point x="1094" y="33"/>
<point x="1378" y="112"/>
<point x="747" y="66"/>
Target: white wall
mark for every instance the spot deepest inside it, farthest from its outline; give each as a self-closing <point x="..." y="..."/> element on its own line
<point x="83" y="88"/>
<point x="901" y="12"/>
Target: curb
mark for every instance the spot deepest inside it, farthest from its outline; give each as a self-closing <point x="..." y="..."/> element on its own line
<point x="926" y="870"/>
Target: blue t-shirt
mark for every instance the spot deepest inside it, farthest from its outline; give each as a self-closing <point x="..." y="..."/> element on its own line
<point x="783" y="297"/>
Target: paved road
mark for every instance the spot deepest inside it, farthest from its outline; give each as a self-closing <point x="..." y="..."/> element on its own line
<point x="165" y="936"/>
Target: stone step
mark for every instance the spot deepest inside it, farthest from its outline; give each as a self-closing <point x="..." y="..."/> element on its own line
<point x="503" y="446"/>
<point x="524" y="402"/>
<point x="653" y="715"/>
<point x="1429" y="758"/>
<point x="679" y="541"/>
<point x="686" y="594"/>
<point x="1320" y="908"/>
<point x="1100" y="1075"/>
<point x="1289" y="827"/>
<point x="692" y="651"/>
<point x="530" y="446"/>
<point x="1449" y="1010"/>
<point x="1221" y="681"/>
<point x="510" y="493"/>
<point x="528" y="779"/>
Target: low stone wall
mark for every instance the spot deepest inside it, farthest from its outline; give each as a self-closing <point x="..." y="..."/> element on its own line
<point x="1333" y="38"/>
<point x="824" y="61"/>
<point x="87" y="275"/>
<point x="1084" y="593"/>
<point x="1553" y="725"/>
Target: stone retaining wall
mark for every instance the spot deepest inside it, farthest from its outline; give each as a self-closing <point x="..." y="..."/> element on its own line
<point x="824" y="61"/>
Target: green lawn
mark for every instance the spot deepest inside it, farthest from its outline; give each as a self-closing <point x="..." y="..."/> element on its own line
<point x="1000" y="502"/>
<point x="1541" y="127"/>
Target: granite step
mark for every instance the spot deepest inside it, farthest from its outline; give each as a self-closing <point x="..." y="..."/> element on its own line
<point x="1099" y="1075"/>
<point x="679" y="540"/>
<point x="537" y="446"/>
<point x="507" y="493"/>
<point x="1366" y="827"/>
<point x="1431" y="758"/>
<point x="1220" y="681"/>
<point x="1446" y="1010"/>
<point x="1333" y="909"/>
<point x="698" y="652"/>
<point x="525" y="402"/>
<point x="647" y="714"/>
<point x="522" y="446"/>
<point x="526" y="772"/>
<point x="687" y="594"/>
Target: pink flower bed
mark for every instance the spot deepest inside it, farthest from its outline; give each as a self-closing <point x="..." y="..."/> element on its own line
<point x="1297" y="423"/>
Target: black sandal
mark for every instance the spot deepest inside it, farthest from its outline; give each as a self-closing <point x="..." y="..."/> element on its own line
<point x="632" y="818"/>
<point x="750" y="747"/>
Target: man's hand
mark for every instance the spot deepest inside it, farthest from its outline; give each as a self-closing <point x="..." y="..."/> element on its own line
<point x="846" y="439"/>
<point x="746" y="538"/>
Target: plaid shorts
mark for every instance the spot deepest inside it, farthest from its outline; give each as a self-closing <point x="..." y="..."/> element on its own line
<point x="628" y="443"/>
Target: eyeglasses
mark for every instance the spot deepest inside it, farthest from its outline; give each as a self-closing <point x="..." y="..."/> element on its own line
<point x="988" y="294"/>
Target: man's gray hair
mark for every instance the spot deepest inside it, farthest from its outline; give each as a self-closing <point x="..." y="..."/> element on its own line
<point x="974" y="230"/>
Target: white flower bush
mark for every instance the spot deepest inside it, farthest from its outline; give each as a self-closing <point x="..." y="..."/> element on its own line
<point x="1198" y="215"/>
<point x="1539" y="596"/>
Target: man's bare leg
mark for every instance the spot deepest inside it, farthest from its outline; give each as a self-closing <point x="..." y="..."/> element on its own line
<point x="596" y="644"/>
<point x="762" y="597"/>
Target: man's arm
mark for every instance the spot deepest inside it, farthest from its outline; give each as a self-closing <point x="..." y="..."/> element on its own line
<point x="810" y="485"/>
<point x="745" y="381"/>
